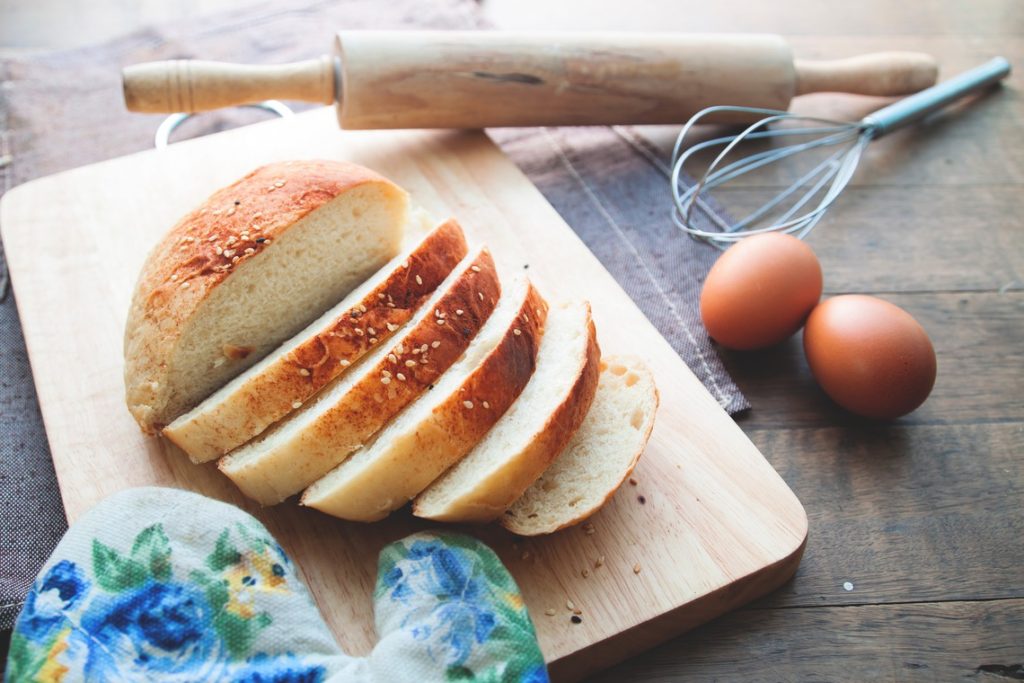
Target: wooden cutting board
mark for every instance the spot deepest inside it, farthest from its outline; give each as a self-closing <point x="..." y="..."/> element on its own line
<point x="718" y="526"/>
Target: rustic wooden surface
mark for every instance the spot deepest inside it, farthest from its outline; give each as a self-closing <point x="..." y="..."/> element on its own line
<point x="705" y="497"/>
<point x="922" y="517"/>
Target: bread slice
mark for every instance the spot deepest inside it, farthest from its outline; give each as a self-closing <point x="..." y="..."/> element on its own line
<point x="599" y="457"/>
<point x="307" y="362"/>
<point x="441" y="427"/>
<point x="321" y="434"/>
<point x="532" y="433"/>
<point x="257" y="262"/>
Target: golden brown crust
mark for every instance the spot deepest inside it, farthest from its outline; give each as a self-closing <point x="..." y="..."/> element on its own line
<point x="412" y="367"/>
<point x="453" y="428"/>
<point x="235" y="224"/>
<point x="295" y="378"/>
<point x="493" y="496"/>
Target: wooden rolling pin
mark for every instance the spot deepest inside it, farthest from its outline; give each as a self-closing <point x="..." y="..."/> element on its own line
<point x="476" y="79"/>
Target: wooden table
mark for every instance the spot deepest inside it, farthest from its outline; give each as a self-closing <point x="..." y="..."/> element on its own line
<point x="915" y="564"/>
<point x="914" y="567"/>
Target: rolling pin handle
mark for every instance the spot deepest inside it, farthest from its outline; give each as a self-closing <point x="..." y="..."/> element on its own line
<point x="887" y="74"/>
<point x="185" y="85"/>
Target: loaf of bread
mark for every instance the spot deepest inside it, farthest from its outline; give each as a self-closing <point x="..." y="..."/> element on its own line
<point x="321" y="434"/>
<point x="532" y="433"/>
<point x="305" y="364"/>
<point x="441" y="427"/>
<point x="254" y="264"/>
<point x="600" y="456"/>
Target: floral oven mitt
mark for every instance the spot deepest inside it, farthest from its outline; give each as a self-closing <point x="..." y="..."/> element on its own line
<point x="164" y="585"/>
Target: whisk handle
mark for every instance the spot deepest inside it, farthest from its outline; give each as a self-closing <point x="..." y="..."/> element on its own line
<point x="916" y="107"/>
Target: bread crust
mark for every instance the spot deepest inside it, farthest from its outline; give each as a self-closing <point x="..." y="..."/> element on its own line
<point x="297" y="376"/>
<point x="449" y="432"/>
<point x="234" y="225"/>
<point x="491" y="496"/>
<point x="431" y="348"/>
<point x="520" y="528"/>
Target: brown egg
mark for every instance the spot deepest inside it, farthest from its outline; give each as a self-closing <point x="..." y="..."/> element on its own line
<point x="760" y="291"/>
<point x="870" y="356"/>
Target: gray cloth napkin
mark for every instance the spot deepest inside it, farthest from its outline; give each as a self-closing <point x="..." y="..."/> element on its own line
<point x="63" y="109"/>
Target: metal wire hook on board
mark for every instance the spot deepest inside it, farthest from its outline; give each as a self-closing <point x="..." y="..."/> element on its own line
<point x="163" y="133"/>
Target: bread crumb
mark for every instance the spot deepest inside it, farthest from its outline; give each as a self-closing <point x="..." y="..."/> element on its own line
<point x="599" y="562"/>
<point x="632" y="481"/>
<point x="636" y="568"/>
<point x="585" y="573"/>
<point x="570" y="605"/>
<point x="550" y="611"/>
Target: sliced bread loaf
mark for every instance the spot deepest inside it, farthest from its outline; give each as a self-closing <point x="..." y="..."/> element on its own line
<point x="257" y="262"/>
<point x="443" y="425"/>
<point x="303" y="365"/>
<point x="321" y="434"/>
<point x="599" y="457"/>
<point x="532" y="433"/>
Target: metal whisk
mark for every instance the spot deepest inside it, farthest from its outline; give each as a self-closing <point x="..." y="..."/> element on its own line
<point x="799" y="207"/>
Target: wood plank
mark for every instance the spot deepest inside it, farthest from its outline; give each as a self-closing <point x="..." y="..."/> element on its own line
<point x="980" y="368"/>
<point x="950" y="641"/>
<point x="808" y="17"/>
<point x="904" y="513"/>
<point x="74" y="263"/>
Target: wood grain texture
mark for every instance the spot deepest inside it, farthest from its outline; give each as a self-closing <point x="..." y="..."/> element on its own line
<point x="949" y="641"/>
<point x="718" y="507"/>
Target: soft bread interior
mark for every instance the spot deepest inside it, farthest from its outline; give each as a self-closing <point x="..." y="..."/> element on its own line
<point x="306" y="415"/>
<point x="414" y="229"/>
<point x="405" y="425"/>
<point x="292" y="282"/>
<point x="560" y="360"/>
<point x="599" y="457"/>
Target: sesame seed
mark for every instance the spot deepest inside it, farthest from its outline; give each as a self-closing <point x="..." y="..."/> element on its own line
<point x="380" y="295"/>
<point x="211" y="238"/>
<point x="304" y="372"/>
<point x="245" y="236"/>
<point x="526" y="317"/>
<point x="486" y="405"/>
<point x="362" y="309"/>
<point x="569" y="605"/>
<point x="230" y="252"/>
<point x="439" y="321"/>
<point x="391" y="305"/>
<point x="385" y="373"/>
<point x="358" y="331"/>
<point x="391" y="327"/>
<point x="373" y="340"/>
<point x="393" y="358"/>
<point x="234" y="259"/>
<point x="410" y="363"/>
<point x="406" y="264"/>
<point x="186" y="284"/>
<point x="219" y="250"/>
<point x="550" y="612"/>
<point x="475" y="269"/>
<point x="385" y="380"/>
<point x="401" y="377"/>
<point x="423" y="349"/>
<point x="481" y="295"/>
<point x="371" y="331"/>
<point x="279" y="183"/>
<point x="468" y="404"/>
<point x="296" y="404"/>
<point x="423" y="359"/>
<point x="249" y="251"/>
<point x="188" y="238"/>
<point x="270" y="188"/>
<point x="230" y="211"/>
<point x="344" y="363"/>
<point x="415" y="351"/>
<point x="636" y="568"/>
<point x="400" y="349"/>
<point x="517" y="332"/>
<point x="231" y="240"/>
<point x="174" y="277"/>
<point x="419" y="280"/>
<point x="458" y="311"/>
<point x="434" y="344"/>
